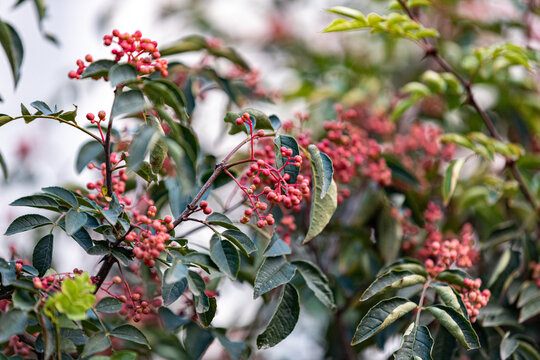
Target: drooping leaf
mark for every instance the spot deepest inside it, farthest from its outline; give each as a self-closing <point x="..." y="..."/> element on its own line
<point x="171" y="292"/>
<point x="74" y="221"/>
<point x="317" y="281"/>
<point x="122" y="74"/>
<point x="225" y="255"/>
<point x="131" y="333"/>
<point x="63" y="194"/>
<point x="288" y="142"/>
<point x="222" y="220"/>
<point x="416" y="344"/>
<point x="284" y="319"/>
<point x="207" y="316"/>
<point x="274" y="271"/>
<point x="127" y="103"/>
<point x="380" y="316"/>
<point x="3" y="165"/>
<point x="450" y="297"/>
<point x="450" y="179"/>
<point x="394" y="279"/>
<point x="39" y="201"/>
<point x="140" y="145"/>
<point x="508" y="346"/>
<point x="456" y="324"/>
<point x="27" y="222"/>
<point x="322" y="209"/>
<point x="109" y="305"/>
<point x="12" y="44"/>
<point x="98" y="69"/>
<point x="91" y="150"/>
<point x="97" y="343"/>
<point x="170" y="320"/>
<point x="388" y="235"/>
<point x="241" y="240"/>
<point x="13" y="323"/>
<point x="42" y="255"/>
<point x="276" y="246"/>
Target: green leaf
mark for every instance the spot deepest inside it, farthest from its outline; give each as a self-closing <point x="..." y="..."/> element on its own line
<point x="531" y="309"/>
<point x="91" y="150"/>
<point x="323" y="168"/>
<point x="388" y="234"/>
<point x="207" y="316"/>
<point x="445" y="345"/>
<point x="171" y="292"/>
<point x="322" y="208"/>
<point x="380" y="316"/>
<point x="348" y="12"/>
<point x="97" y="343"/>
<point x="131" y="333"/>
<point x="42" y="255"/>
<point x="456" y="324"/>
<point x="124" y="355"/>
<point x="175" y="273"/>
<point x="509" y="262"/>
<point x="284" y="319"/>
<point x="416" y="344"/>
<point x="12" y="44"/>
<point x="122" y="74"/>
<point x="450" y="297"/>
<point x="241" y="240"/>
<point x="3" y="165"/>
<point x="127" y="103"/>
<point x="27" y="222"/>
<point x="235" y="349"/>
<point x="69" y="115"/>
<point x="23" y="300"/>
<point x="13" y="323"/>
<point x="109" y="305"/>
<point x="276" y="247"/>
<point x="225" y="255"/>
<point x="221" y="220"/>
<point x="453" y="276"/>
<point x="63" y="194"/>
<point x="394" y="279"/>
<point x="74" y="221"/>
<point x="508" y="346"/>
<point x="171" y="321"/>
<point x="37" y="201"/>
<point x="4" y="119"/>
<point x="98" y="69"/>
<point x="43" y="107"/>
<point x="317" y="281"/>
<point x="290" y="143"/>
<point x="345" y="25"/>
<point x="140" y="145"/>
<point x="158" y="155"/>
<point x="83" y="239"/>
<point x="273" y="272"/>
<point x="450" y="179"/>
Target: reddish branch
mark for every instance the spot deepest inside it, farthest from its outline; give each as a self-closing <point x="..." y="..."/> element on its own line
<point x="432" y="52"/>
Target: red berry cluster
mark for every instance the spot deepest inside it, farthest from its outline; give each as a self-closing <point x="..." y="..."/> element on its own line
<point x="118" y="183"/>
<point x="535" y="275"/>
<point x="420" y="149"/>
<point x="473" y="298"/>
<point x="141" y="52"/>
<point x="150" y="239"/>
<point x="353" y="153"/>
<point x="268" y="186"/>
<point x="16" y="347"/>
<point x="442" y="254"/>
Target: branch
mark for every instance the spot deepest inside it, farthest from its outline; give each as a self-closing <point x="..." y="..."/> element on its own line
<point x="433" y="52"/>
